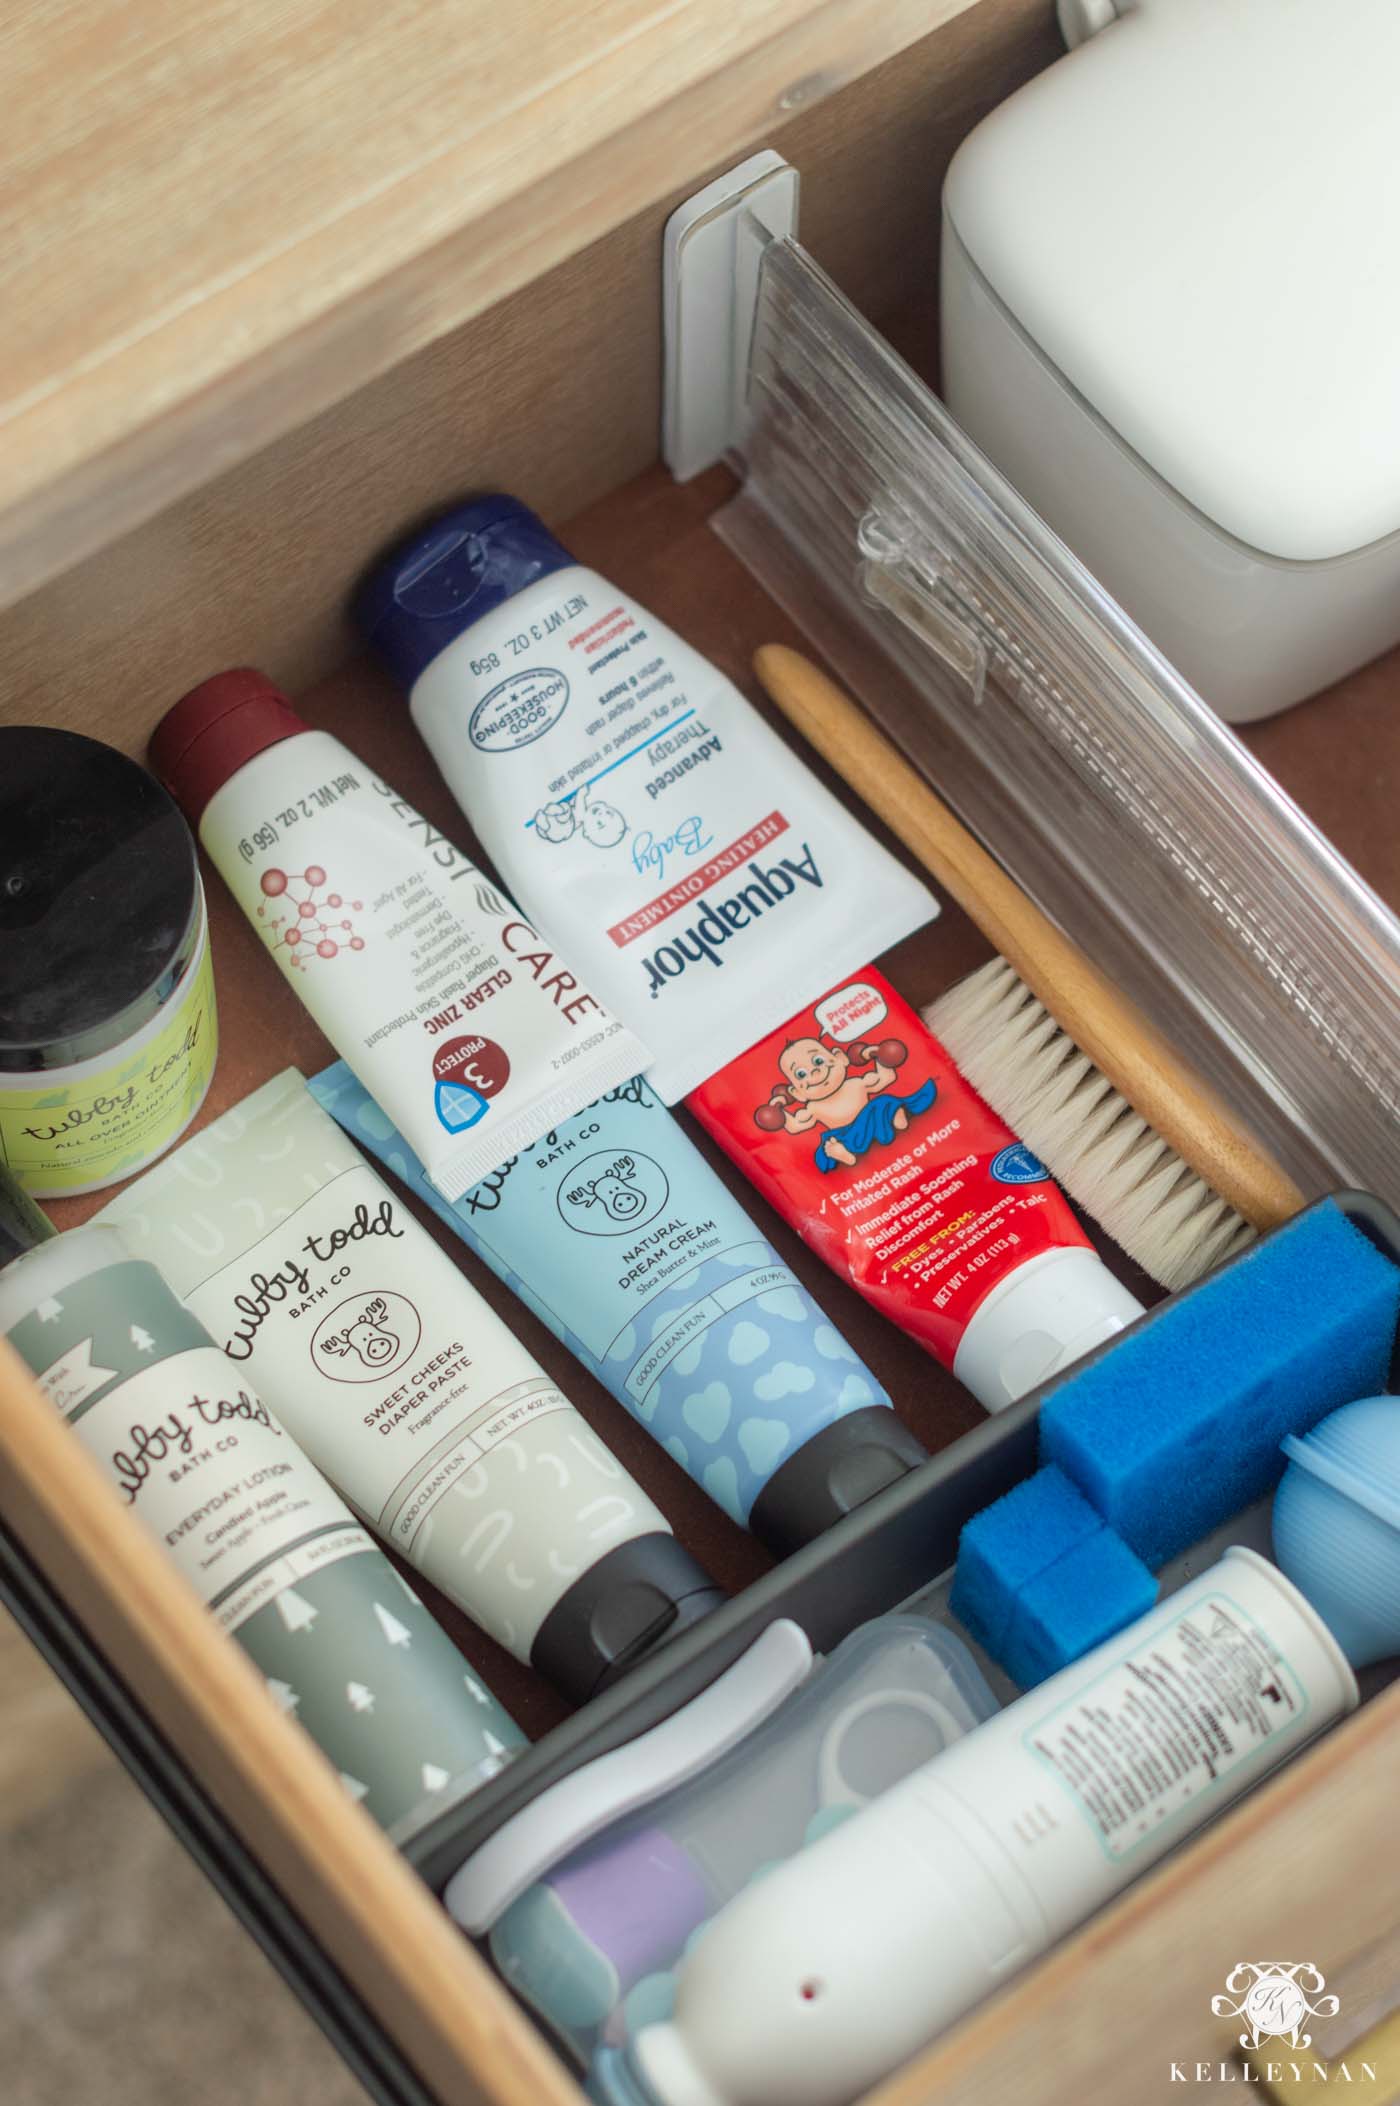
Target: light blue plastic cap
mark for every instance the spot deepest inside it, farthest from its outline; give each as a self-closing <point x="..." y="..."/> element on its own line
<point x="1336" y="1525"/>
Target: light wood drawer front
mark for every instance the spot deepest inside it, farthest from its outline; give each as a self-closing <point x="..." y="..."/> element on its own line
<point x="554" y="393"/>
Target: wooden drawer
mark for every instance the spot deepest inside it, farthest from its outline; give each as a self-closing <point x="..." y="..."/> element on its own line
<point x="247" y="399"/>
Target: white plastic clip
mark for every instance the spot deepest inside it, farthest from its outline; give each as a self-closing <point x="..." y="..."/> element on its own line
<point x="709" y="292"/>
<point x="1081" y="19"/>
<point x="892" y="575"/>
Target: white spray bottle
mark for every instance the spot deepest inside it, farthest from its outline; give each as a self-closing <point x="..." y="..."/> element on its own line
<point x="816" y="1982"/>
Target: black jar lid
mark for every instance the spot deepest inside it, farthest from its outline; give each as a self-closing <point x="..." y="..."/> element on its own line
<point x="100" y="901"/>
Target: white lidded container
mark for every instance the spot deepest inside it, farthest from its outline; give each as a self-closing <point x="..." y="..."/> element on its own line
<point x="1170" y="308"/>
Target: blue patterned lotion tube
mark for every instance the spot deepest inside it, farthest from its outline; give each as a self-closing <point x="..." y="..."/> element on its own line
<point x="617" y="1233"/>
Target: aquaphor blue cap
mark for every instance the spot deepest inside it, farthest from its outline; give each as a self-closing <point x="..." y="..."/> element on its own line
<point x="465" y="565"/>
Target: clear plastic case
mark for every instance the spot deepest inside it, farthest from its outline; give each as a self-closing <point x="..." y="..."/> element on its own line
<point x="1103" y="784"/>
<point x="591" y="1946"/>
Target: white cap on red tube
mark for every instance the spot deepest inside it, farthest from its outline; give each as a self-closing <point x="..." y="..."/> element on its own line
<point x="1038" y="1321"/>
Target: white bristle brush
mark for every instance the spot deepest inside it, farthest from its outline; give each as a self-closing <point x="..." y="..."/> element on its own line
<point x="1116" y="1166"/>
<point x="1071" y="1066"/>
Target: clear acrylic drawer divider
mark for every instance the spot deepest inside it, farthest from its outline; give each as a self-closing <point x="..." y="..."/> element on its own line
<point x="1103" y="784"/>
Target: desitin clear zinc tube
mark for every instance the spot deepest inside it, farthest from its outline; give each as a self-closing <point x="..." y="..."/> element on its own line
<point x="442" y="997"/>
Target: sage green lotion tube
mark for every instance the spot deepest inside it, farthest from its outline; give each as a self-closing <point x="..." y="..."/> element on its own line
<point x="268" y="1546"/>
<point x="407" y="1389"/>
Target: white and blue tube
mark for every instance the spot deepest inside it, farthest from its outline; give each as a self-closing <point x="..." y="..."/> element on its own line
<point x="614" y="1229"/>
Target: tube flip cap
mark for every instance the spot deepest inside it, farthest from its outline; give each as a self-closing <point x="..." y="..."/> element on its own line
<point x="836" y="1471"/>
<point x="637" y="1598"/>
<point x="465" y="565"/>
<point x="216" y="729"/>
<point x="1038" y="1321"/>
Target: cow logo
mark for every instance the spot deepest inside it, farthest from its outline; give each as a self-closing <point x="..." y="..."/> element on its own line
<point x="613" y="1192"/>
<point x="366" y="1337"/>
<point x="1275" y="1999"/>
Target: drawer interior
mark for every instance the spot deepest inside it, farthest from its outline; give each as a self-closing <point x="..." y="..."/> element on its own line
<point x="656" y="539"/>
<point x="553" y="394"/>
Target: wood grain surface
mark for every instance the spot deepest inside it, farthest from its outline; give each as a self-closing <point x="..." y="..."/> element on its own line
<point x="219" y="216"/>
<point x="351" y="1887"/>
<point x="1100" y="1020"/>
<point x="1299" y="1871"/>
<point x="555" y="394"/>
<point x="277" y="277"/>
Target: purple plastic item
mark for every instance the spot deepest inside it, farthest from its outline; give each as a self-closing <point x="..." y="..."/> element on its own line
<point x="636" y="1901"/>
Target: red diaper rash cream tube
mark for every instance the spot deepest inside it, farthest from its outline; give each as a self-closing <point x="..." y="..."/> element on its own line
<point x="853" y="1121"/>
<point x="183" y="1438"/>
<point x="406" y="1388"/>
<point x="635" y="803"/>
<point x="444" y="1001"/>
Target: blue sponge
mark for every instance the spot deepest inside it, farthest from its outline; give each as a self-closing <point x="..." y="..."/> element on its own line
<point x="1178" y="1426"/>
<point x="1098" y="1587"/>
<point x="1008" y="1544"/>
<point x="1041" y="1580"/>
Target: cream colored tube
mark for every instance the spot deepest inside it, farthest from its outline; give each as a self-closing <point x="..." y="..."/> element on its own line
<point x="405" y="1387"/>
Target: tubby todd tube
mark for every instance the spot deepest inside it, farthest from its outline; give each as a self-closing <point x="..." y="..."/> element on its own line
<point x="615" y="1230"/>
<point x="194" y="1454"/>
<point x="853" y="1121"/>
<point x="640" y="808"/>
<point x="444" y="999"/>
<point x="406" y="1388"/>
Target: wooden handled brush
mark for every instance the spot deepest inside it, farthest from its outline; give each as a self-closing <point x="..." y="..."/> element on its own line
<point x="1070" y="1064"/>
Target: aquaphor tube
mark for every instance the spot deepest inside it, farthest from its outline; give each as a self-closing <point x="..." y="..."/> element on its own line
<point x="615" y="1230"/>
<point x="638" y="806"/>
<point x="272" y="1552"/>
<point x="407" y="1389"/>
<point x="442" y="997"/>
<point x="813" y="1984"/>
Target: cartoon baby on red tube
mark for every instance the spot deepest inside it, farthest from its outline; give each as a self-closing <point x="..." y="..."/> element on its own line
<point x="846" y="1091"/>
